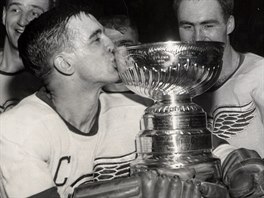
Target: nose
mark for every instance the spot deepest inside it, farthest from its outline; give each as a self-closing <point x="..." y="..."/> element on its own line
<point x="109" y="44"/>
<point x="24" y="19"/>
<point x="198" y="34"/>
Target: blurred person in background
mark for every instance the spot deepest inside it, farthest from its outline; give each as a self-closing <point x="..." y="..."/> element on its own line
<point x="16" y="82"/>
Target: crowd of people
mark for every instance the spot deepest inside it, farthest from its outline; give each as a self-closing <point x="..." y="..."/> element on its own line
<point x="66" y="119"/>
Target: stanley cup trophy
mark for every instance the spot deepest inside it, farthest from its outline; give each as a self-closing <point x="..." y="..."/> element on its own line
<point x="174" y="130"/>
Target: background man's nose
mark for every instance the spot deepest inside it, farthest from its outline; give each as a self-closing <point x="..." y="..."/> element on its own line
<point x="23" y="20"/>
<point x="198" y="35"/>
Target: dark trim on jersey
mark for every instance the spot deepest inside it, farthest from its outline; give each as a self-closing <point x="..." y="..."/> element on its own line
<point x="118" y="92"/>
<point x="43" y="95"/>
<point x="241" y="60"/>
<point x="115" y="157"/>
<point x="127" y="163"/>
<point x="12" y="73"/>
<point x="232" y="106"/>
<point x="68" y="159"/>
<point x="9" y="103"/>
<point x="49" y="193"/>
<point x="123" y="164"/>
<point x="81" y="178"/>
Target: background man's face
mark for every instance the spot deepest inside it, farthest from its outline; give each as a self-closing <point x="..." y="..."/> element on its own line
<point x="18" y="13"/>
<point x="125" y="37"/>
<point x="201" y="20"/>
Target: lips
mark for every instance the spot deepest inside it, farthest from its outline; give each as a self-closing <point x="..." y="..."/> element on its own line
<point x="20" y="31"/>
<point x="113" y="60"/>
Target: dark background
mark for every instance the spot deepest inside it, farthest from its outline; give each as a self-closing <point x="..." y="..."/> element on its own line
<point x="156" y="21"/>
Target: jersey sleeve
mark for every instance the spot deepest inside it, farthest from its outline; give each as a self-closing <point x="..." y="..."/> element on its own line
<point x="258" y="93"/>
<point x="23" y="159"/>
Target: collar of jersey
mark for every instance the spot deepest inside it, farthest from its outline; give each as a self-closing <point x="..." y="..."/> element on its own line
<point x="43" y="95"/>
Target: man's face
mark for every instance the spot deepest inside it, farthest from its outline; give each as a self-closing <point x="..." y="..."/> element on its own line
<point x="202" y="20"/>
<point x="93" y="52"/>
<point x="123" y="37"/>
<point x="18" y="13"/>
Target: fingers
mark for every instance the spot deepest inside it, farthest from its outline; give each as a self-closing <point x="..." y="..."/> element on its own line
<point x="190" y="190"/>
<point x="213" y="190"/>
<point x="162" y="186"/>
<point x="175" y="187"/>
<point x="183" y="189"/>
<point x="183" y="173"/>
<point x="149" y="180"/>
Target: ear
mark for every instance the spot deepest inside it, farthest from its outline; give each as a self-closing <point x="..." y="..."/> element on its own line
<point x="230" y="24"/>
<point x="4" y="16"/>
<point x="63" y="65"/>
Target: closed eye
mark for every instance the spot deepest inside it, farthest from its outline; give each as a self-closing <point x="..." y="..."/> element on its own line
<point x="96" y="36"/>
<point x="125" y="43"/>
<point x="186" y="26"/>
<point x="209" y="25"/>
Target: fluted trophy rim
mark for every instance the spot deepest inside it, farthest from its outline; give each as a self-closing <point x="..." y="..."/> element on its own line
<point x="178" y="69"/>
<point x="142" y="45"/>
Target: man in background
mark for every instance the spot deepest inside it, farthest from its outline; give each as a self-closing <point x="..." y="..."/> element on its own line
<point x="235" y="103"/>
<point x="16" y="83"/>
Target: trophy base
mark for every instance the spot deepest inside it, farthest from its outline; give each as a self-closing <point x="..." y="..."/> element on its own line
<point x="207" y="168"/>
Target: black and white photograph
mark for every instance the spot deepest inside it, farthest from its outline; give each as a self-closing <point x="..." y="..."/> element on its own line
<point x="132" y="99"/>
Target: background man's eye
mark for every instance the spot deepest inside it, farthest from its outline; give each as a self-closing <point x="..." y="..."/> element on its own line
<point x="125" y="43"/>
<point x="35" y="14"/>
<point x="14" y="10"/>
<point x="186" y="27"/>
<point x="209" y="26"/>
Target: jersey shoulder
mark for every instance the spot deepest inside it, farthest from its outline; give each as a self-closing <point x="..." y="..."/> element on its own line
<point x="25" y="120"/>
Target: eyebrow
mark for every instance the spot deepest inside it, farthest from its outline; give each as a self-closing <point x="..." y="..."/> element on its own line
<point x="98" y="31"/>
<point x="202" y="23"/>
<point x="19" y="4"/>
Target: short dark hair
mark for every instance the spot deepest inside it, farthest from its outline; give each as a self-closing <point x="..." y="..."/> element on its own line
<point x="46" y="36"/>
<point x="117" y="22"/>
<point x="226" y="5"/>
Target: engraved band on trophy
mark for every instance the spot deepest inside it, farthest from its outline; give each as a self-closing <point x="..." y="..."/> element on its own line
<point x="174" y="130"/>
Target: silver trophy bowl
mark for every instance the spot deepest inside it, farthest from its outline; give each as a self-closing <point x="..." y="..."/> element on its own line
<point x="174" y="130"/>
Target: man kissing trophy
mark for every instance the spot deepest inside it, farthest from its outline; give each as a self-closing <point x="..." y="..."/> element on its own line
<point x="174" y="132"/>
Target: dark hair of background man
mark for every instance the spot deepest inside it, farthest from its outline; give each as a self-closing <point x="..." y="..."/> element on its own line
<point x="156" y="21"/>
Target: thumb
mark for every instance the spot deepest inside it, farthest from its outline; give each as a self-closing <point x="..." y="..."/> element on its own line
<point x="212" y="190"/>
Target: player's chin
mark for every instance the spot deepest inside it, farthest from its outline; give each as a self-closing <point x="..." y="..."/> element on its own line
<point x="14" y="41"/>
<point x="115" y="76"/>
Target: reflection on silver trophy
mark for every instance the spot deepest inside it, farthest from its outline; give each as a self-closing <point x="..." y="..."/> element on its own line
<point x="173" y="130"/>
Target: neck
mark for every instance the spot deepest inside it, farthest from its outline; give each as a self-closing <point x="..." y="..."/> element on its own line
<point x="79" y="108"/>
<point x="11" y="62"/>
<point x="231" y="61"/>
